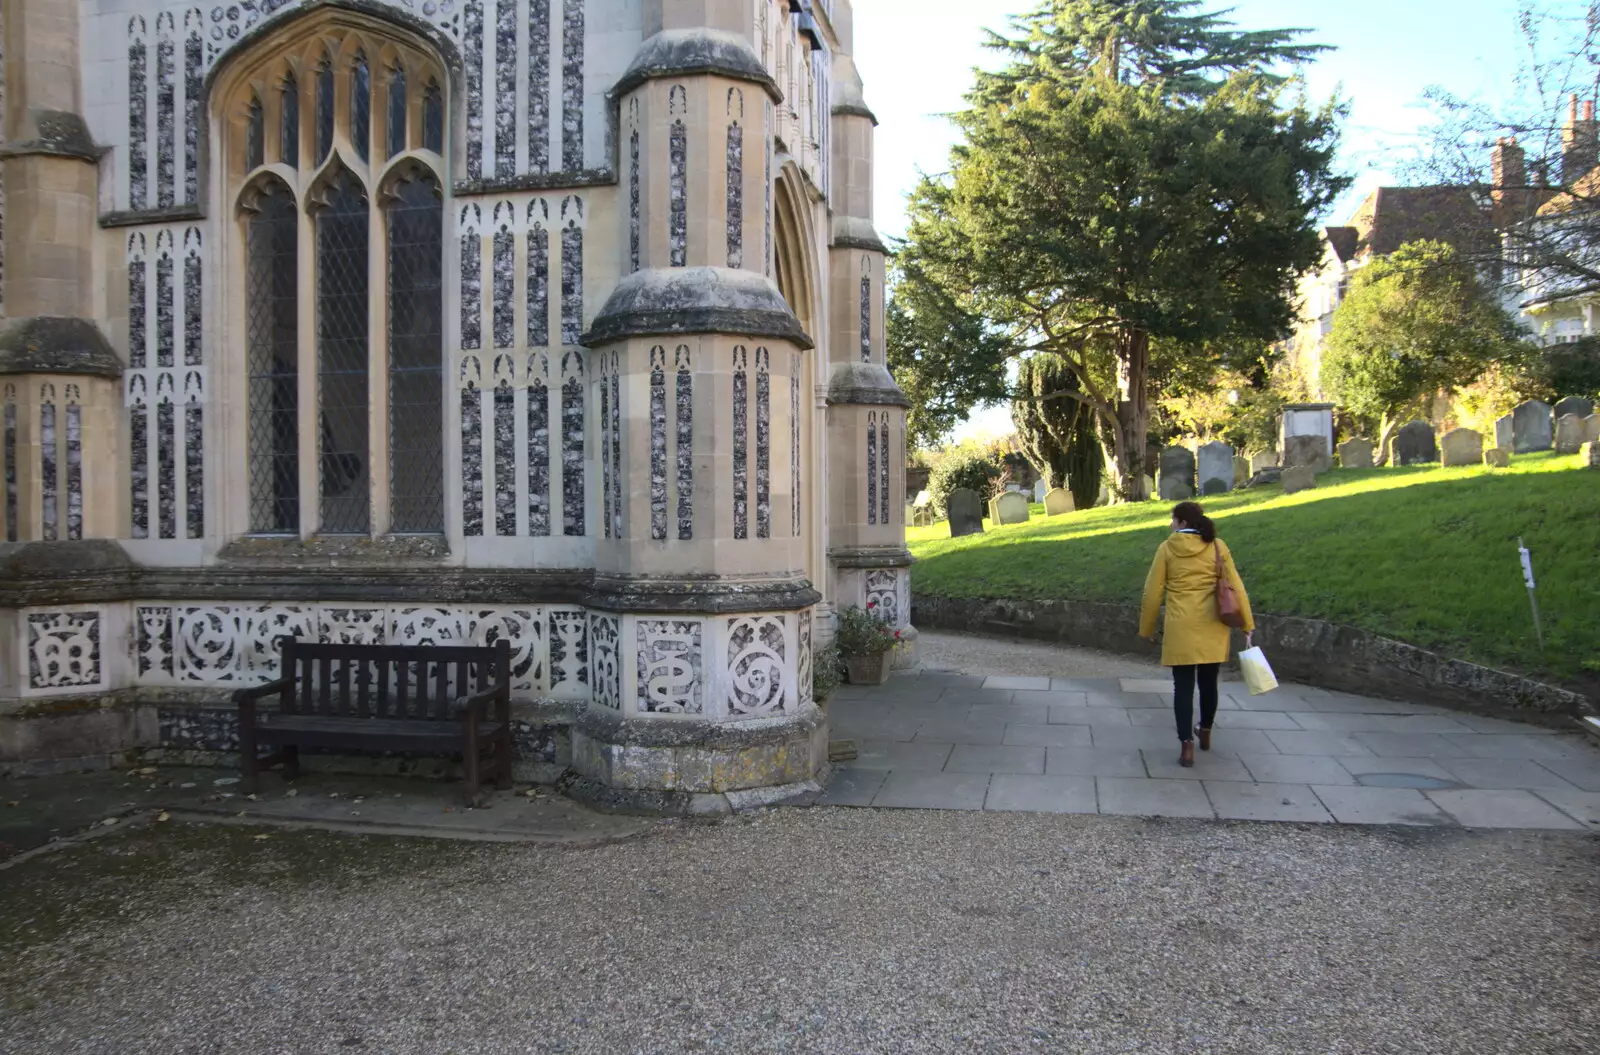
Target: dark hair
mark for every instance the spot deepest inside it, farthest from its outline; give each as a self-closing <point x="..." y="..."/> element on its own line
<point x="1191" y="515"/>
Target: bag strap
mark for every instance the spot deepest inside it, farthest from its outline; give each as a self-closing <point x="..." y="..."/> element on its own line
<point x="1220" y="572"/>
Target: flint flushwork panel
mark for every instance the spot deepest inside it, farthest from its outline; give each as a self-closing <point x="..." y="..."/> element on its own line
<point x="64" y="650"/>
<point x="528" y="432"/>
<point x="671" y="666"/>
<point x="757" y="676"/>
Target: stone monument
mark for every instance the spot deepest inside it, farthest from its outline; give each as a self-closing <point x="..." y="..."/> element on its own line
<point x="1009" y="508"/>
<point x="1461" y="447"/>
<point x="1578" y="405"/>
<point x="1058" y="500"/>
<point x="1569" y="434"/>
<point x="1531" y="428"/>
<point x="1355" y="454"/>
<point x="1176" y="481"/>
<point x="1414" y="444"/>
<point x="964" y="510"/>
<point x="1497" y="458"/>
<point x="1298" y="478"/>
<point x="1505" y="431"/>
<point x="1263" y="460"/>
<point x="1307" y="450"/>
<point x="1039" y="490"/>
<point x="1215" y="463"/>
<point x="1591" y="428"/>
<point x="1592" y="453"/>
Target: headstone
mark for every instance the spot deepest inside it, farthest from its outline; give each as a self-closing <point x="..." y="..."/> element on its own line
<point x="1270" y="475"/>
<point x="1461" y="447"/>
<point x="1414" y="444"/>
<point x="1215" y="462"/>
<point x="1569" y="434"/>
<point x="1504" y="432"/>
<point x="1572" y="405"/>
<point x="1355" y="454"/>
<point x="1039" y="490"/>
<point x="1298" y="478"/>
<point x="1177" y="474"/>
<point x="1592" y="448"/>
<point x="1497" y="458"/>
<point x="922" y="510"/>
<point x="1310" y="451"/>
<point x="965" y="510"/>
<point x="1531" y="428"/>
<point x="1058" y="500"/>
<point x="1591" y="428"/>
<point x="1263" y="460"/>
<point x="1241" y="470"/>
<point x="1010" y="508"/>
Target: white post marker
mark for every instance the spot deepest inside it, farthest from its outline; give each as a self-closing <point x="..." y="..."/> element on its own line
<point x="1527" y="575"/>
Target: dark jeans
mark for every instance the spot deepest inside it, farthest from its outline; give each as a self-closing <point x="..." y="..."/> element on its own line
<point x="1183" y="680"/>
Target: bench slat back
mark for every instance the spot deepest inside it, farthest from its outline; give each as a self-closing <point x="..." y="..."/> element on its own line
<point x="386" y="681"/>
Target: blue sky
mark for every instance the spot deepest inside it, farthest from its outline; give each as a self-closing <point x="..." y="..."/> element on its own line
<point x="916" y="58"/>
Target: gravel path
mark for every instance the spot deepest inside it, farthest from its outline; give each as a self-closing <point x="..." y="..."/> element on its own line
<point x="978" y="654"/>
<point x="810" y="931"/>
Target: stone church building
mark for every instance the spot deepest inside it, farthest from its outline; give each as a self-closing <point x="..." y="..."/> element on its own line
<point x="428" y="321"/>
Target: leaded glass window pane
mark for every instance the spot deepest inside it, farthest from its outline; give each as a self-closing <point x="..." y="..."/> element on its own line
<point x="416" y="342"/>
<point x="361" y="107"/>
<point x="289" y="123"/>
<point x="272" y="348"/>
<point x="397" y="112"/>
<point x="342" y="358"/>
<point x="433" y="119"/>
<point x="324" y="110"/>
<point x="254" y="137"/>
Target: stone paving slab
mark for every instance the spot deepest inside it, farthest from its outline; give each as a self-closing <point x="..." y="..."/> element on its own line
<point x="1041" y="745"/>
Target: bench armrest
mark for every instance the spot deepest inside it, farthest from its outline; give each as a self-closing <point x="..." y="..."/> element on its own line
<point x="476" y="702"/>
<point x="259" y="692"/>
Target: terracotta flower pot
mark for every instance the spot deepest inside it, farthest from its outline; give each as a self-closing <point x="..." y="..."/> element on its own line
<point x="868" y="670"/>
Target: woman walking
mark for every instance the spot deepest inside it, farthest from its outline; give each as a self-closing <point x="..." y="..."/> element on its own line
<point x="1195" y="640"/>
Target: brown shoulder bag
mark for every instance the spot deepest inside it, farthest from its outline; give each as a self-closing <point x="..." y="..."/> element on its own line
<point x="1228" y="609"/>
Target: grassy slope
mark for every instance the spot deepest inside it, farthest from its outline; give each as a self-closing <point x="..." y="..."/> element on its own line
<point x="1422" y="554"/>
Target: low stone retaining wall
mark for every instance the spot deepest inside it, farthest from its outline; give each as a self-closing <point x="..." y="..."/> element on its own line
<point x="1308" y="651"/>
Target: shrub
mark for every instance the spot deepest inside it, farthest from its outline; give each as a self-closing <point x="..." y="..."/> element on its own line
<point x="957" y="468"/>
<point x="827" y="674"/>
<point x="863" y="633"/>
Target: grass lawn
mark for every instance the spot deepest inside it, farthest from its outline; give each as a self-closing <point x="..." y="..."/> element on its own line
<point x="1421" y="554"/>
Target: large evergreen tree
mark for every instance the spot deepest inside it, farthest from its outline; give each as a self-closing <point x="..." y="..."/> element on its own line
<point x="1055" y="430"/>
<point x="1120" y="182"/>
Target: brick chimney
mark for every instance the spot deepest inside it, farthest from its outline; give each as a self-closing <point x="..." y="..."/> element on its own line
<point x="1508" y="168"/>
<point x="1580" y="143"/>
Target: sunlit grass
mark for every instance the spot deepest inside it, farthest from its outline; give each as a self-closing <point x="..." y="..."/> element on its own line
<point x="1423" y="554"/>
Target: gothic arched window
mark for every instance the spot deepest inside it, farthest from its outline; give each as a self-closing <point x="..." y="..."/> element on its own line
<point x="345" y="424"/>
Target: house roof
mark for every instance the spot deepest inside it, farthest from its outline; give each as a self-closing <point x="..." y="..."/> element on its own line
<point x="1392" y="216"/>
<point x="1344" y="241"/>
<point x="1586" y="190"/>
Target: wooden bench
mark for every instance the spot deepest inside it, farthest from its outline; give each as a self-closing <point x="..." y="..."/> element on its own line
<point x="409" y="698"/>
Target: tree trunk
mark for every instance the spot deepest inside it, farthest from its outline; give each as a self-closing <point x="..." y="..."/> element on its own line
<point x="1387" y="427"/>
<point x="1133" y="416"/>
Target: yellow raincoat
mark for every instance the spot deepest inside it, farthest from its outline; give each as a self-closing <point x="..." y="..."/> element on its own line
<point x="1185" y="570"/>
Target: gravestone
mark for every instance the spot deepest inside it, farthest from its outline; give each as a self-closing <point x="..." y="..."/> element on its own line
<point x="1039" y="490"/>
<point x="1241" y="470"/>
<point x="1310" y="451"/>
<point x="1269" y="475"/>
<point x="1010" y="508"/>
<point x="1298" y="478"/>
<point x="1263" y="460"/>
<point x="1572" y="405"/>
<point x="1177" y="474"/>
<point x="1593" y="450"/>
<point x="1591" y="428"/>
<point x="965" y="510"/>
<point x="1497" y="458"/>
<point x="1461" y="447"/>
<point x="1569" y="434"/>
<point x="1504" y="432"/>
<point x="1058" y="500"/>
<point x="1215" y="461"/>
<point x="1531" y="428"/>
<point x="1414" y="444"/>
<point x="922" y="510"/>
<point x="1355" y="454"/>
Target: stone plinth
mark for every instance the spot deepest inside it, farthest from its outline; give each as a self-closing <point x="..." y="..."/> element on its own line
<point x="1310" y="451"/>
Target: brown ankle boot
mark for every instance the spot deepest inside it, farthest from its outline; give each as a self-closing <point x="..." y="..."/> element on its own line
<point x="1205" y="738"/>
<point x="1186" y="756"/>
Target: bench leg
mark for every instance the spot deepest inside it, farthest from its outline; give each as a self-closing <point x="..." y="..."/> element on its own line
<point x="502" y="756"/>
<point x="249" y="765"/>
<point x="470" y="761"/>
<point x="291" y="761"/>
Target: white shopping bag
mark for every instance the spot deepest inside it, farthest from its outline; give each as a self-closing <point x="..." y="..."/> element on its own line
<point x="1257" y="672"/>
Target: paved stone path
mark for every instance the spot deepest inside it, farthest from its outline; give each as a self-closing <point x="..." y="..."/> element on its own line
<point x="944" y="741"/>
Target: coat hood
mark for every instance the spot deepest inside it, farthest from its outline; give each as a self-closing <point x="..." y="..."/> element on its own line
<point x="1183" y="545"/>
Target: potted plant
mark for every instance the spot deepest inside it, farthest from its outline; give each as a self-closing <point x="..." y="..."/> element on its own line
<point x="865" y="640"/>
